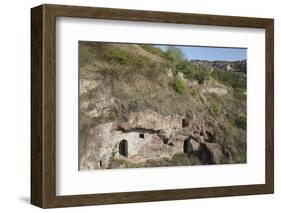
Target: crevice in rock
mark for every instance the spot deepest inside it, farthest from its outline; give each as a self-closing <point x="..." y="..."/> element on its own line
<point x="139" y="130"/>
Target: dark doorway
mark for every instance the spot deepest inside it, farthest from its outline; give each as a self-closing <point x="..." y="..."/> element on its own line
<point x="123" y="148"/>
<point x="185" y="145"/>
<point x="205" y="155"/>
<point x="142" y="135"/>
<point x="184" y="123"/>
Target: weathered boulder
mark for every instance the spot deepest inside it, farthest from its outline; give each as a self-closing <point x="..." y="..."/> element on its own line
<point x="216" y="152"/>
<point x="155" y="151"/>
<point x="215" y="90"/>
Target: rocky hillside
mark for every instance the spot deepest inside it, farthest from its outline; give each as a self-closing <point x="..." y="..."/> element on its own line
<point x="143" y="107"/>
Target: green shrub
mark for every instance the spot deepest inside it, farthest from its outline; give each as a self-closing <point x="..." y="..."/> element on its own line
<point x="179" y="85"/>
<point x="142" y="63"/>
<point x="241" y="121"/>
<point x="202" y="75"/>
<point x="239" y="93"/>
<point x="235" y="80"/>
<point x="187" y="69"/>
<point x="153" y="49"/>
<point x="119" y="56"/>
<point x="216" y="107"/>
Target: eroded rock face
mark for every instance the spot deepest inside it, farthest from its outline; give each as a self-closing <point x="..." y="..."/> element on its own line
<point x="209" y="153"/>
<point x="156" y="150"/>
<point x="148" y="135"/>
<point x="97" y="146"/>
<point x="151" y="120"/>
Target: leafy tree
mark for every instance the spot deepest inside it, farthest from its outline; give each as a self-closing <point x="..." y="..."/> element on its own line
<point x="174" y="55"/>
<point x="187" y="69"/>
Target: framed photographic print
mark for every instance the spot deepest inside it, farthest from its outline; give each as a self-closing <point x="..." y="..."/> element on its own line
<point x="136" y="106"/>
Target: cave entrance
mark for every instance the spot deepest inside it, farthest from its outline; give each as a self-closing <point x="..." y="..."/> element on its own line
<point x="123" y="148"/>
<point x="185" y="145"/>
<point x="184" y="123"/>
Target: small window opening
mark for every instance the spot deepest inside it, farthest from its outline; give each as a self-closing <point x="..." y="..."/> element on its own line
<point x="142" y="135"/>
<point x="184" y="122"/>
<point x="166" y="140"/>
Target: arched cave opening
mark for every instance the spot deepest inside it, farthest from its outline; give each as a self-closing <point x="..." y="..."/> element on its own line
<point x="185" y="145"/>
<point x="123" y="148"/>
<point x="205" y="155"/>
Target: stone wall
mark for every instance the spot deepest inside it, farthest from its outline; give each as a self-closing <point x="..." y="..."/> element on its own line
<point x="135" y="143"/>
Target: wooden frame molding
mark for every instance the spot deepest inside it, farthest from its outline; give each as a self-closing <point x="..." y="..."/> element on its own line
<point x="43" y="105"/>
